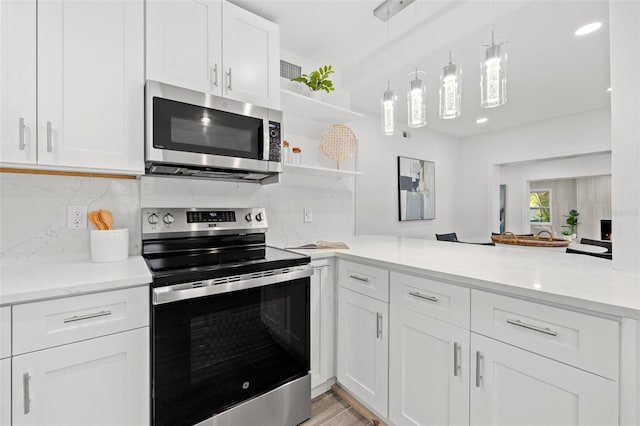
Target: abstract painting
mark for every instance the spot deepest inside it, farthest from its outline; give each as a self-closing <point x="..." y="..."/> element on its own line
<point x="416" y="189"/>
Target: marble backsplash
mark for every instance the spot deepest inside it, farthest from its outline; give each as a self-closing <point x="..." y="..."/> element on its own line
<point x="33" y="209"/>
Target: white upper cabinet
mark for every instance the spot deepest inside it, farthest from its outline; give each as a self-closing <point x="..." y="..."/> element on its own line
<point x="91" y="84"/>
<point x="251" y="57"/>
<point x="214" y="47"/>
<point x="184" y="45"/>
<point x="18" y="81"/>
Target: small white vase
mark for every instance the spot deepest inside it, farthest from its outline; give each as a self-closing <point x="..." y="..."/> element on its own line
<point x="317" y="95"/>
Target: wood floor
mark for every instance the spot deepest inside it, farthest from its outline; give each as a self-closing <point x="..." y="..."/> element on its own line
<point x="329" y="409"/>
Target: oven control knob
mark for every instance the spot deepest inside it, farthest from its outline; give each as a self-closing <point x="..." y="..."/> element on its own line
<point x="168" y="219"/>
<point x="259" y="217"/>
<point x="249" y="217"/>
<point x="153" y="218"/>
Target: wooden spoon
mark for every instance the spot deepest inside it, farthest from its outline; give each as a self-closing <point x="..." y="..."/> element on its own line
<point x="94" y="217"/>
<point x="106" y="218"/>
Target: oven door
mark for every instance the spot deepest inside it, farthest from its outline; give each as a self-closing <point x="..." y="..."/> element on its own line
<point x="185" y="127"/>
<point x="211" y="353"/>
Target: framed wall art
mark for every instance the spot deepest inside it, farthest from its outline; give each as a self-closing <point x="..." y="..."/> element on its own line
<point x="416" y="189"/>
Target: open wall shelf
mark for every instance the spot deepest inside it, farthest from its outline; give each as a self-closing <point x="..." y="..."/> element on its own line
<point x="318" y="171"/>
<point x="305" y="106"/>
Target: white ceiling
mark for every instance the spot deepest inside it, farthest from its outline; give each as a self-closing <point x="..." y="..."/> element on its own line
<point x="551" y="72"/>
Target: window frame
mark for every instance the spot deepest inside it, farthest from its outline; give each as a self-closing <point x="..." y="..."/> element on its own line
<point x="550" y="208"/>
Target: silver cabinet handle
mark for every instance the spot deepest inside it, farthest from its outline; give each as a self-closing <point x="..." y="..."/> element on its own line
<point x="25" y="392"/>
<point x="229" y="79"/>
<point x="214" y="75"/>
<point x="49" y="142"/>
<point x="21" y="133"/>
<point x="533" y="327"/>
<point x="378" y="325"/>
<point x="359" y="278"/>
<point x="88" y="316"/>
<point x="479" y="377"/>
<point x="456" y="359"/>
<point x="423" y="296"/>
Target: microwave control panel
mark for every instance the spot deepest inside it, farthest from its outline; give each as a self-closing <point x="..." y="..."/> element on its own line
<point x="274" y="141"/>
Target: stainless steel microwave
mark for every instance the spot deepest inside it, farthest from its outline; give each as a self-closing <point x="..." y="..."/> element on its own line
<point x="194" y="134"/>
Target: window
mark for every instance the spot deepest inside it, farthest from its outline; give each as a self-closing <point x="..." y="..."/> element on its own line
<point x="540" y="206"/>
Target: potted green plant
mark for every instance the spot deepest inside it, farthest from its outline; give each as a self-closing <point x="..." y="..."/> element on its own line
<point x="572" y="224"/>
<point x="318" y="79"/>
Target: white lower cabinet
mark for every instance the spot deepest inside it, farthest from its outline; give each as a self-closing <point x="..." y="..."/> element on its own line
<point x="363" y="342"/>
<point x="101" y="381"/>
<point x="429" y="374"/>
<point x="322" y="323"/>
<point x="511" y="386"/>
<point x="5" y="392"/>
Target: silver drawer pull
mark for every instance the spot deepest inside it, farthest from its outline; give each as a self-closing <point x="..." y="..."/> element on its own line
<point x="49" y="141"/>
<point x="532" y="327"/>
<point x="456" y="359"/>
<point x="479" y="377"/>
<point x="88" y="316"/>
<point x="214" y="75"/>
<point x="25" y="392"/>
<point x="21" y="134"/>
<point x="423" y="296"/>
<point x="378" y="325"/>
<point x="229" y="79"/>
<point x="358" y="278"/>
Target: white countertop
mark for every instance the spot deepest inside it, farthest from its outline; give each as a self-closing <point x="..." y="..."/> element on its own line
<point x="583" y="282"/>
<point x="31" y="282"/>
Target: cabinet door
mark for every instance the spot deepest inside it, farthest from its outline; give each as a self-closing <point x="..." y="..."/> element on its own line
<point x="91" y="84"/>
<point x="363" y="348"/>
<point x="103" y="381"/>
<point x="511" y="386"/>
<point x="322" y="324"/>
<point x="5" y="392"/>
<point x="184" y="44"/>
<point x="18" y="81"/>
<point x="429" y="361"/>
<point x="251" y="57"/>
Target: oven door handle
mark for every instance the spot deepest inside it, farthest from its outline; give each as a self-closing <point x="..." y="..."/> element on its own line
<point x="192" y="290"/>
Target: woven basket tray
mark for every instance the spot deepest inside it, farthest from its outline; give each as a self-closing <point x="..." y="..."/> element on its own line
<point x="535" y="241"/>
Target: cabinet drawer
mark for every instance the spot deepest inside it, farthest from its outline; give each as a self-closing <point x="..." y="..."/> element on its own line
<point x="364" y="279"/>
<point x="446" y="302"/>
<point x="5" y="332"/>
<point x="56" y="322"/>
<point x="584" y="341"/>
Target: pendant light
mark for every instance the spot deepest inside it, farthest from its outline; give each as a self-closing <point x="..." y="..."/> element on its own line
<point x="450" y="91"/>
<point x="389" y="111"/>
<point x="417" y="94"/>
<point x="493" y="75"/>
<point x="417" y="101"/>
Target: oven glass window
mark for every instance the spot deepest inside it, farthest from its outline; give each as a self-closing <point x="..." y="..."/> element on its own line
<point x="213" y="352"/>
<point x="184" y="127"/>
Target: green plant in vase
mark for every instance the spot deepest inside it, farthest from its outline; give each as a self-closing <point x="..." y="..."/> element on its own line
<point x="572" y="223"/>
<point x="318" y="79"/>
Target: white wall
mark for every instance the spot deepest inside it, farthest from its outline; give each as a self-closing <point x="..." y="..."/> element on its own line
<point x="516" y="176"/>
<point x="477" y="180"/>
<point x="377" y="190"/>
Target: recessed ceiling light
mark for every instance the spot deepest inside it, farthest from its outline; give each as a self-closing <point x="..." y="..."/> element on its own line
<point x="482" y="120"/>
<point x="588" y="29"/>
<point x="609" y="90"/>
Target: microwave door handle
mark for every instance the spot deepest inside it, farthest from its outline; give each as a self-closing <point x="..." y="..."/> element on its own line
<point x="266" y="145"/>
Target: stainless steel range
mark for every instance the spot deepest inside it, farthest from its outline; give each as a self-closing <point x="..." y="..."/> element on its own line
<point x="230" y="320"/>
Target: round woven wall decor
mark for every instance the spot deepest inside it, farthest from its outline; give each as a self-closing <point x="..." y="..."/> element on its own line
<point x="338" y="143"/>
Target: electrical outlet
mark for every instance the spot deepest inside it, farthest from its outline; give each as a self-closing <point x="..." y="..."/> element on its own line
<point x="77" y="217"/>
<point x="308" y="215"/>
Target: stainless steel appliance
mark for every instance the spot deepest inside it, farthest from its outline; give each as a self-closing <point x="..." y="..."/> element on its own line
<point x="194" y="134"/>
<point x="230" y="320"/>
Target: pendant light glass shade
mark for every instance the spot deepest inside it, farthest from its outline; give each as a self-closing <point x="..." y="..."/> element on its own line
<point x="417" y="102"/>
<point x="450" y="91"/>
<point x="389" y="111"/>
<point x="493" y="76"/>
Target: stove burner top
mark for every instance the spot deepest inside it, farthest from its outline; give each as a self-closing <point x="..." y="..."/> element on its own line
<point x="185" y="249"/>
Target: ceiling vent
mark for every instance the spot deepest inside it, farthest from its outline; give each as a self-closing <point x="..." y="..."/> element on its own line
<point x="289" y="70"/>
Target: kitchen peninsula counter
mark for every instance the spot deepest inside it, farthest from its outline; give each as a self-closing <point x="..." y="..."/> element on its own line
<point x="582" y="282"/>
